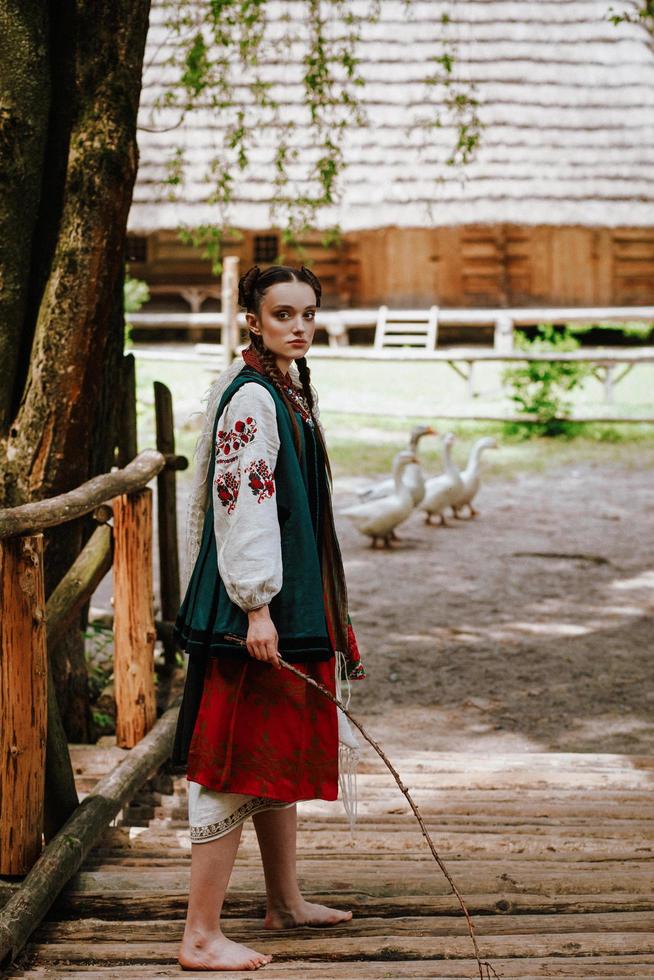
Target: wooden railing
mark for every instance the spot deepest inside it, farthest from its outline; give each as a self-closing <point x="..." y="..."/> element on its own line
<point x="33" y="746"/>
<point x="499" y="324"/>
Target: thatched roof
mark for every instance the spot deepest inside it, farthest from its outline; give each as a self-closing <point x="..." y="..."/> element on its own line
<point x="566" y="101"/>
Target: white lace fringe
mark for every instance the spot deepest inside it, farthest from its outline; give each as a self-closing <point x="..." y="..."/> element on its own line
<point x="348" y="748"/>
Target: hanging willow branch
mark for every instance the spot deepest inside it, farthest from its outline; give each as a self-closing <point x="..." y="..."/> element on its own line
<point x="486" y="970"/>
<point x="232" y="58"/>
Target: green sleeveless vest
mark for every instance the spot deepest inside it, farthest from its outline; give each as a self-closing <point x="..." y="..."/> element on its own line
<point x="208" y="622"/>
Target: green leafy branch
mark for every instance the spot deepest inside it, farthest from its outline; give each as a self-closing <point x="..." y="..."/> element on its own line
<point x="217" y="50"/>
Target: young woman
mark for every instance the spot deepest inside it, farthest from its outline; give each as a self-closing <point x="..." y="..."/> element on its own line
<point x="267" y="580"/>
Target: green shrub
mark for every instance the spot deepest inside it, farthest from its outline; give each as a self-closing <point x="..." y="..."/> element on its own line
<point x="542" y="388"/>
<point x="135" y="294"/>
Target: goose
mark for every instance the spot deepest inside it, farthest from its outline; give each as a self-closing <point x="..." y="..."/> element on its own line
<point x="413" y="475"/>
<point x="471" y="476"/>
<point x="441" y="490"/>
<point x="379" y="518"/>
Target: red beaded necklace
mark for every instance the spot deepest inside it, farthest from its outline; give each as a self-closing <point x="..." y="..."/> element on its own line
<point x="251" y="357"/>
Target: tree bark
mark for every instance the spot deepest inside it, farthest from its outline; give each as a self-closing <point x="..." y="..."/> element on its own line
<point x="24" y="110"/>
<point x="64" y="345"/>
<point x="74" y="354"/>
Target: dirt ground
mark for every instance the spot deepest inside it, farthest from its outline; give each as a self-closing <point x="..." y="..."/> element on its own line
<point x="528" y="628"/>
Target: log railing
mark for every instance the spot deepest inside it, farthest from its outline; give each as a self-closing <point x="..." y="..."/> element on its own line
<point x="34" y="757"/>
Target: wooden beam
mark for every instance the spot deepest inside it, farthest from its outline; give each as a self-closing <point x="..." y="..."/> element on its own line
<point x="64" y="854"/>
<point x="23" y="702"/>
<point x="79" y="583"/>
<point x="61" y="798"/>
<point x="83" y="499"/>
<point x="134" y="633"/>
<point x="76" y="587"/>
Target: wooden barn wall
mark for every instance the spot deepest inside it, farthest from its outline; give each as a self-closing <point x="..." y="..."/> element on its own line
<point x="505" y="265"/>
<point x="469" y="266"/>
<point x="172" y="262"/>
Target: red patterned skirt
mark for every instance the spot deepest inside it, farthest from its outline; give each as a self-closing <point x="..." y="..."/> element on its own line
<point x="264" y="732"/>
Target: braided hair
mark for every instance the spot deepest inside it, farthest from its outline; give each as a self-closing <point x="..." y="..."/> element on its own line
<point x="251" y="288"/>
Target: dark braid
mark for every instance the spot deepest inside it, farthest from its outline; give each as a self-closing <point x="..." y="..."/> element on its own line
<point x="305" y="381"/>
<point x="273" y="373"/>
<point x="251" y="288"/>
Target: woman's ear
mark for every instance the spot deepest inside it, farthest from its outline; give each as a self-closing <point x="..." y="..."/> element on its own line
<point x="251" y="321"/>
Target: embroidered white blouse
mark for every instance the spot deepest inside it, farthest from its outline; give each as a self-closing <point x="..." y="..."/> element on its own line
<point x="246" y="525"/>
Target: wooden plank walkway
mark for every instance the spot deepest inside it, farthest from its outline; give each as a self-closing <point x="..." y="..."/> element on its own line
<point x="554" y="853"/>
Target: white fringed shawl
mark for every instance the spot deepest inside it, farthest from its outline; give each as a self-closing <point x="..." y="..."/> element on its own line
<point x="195" y="513"/>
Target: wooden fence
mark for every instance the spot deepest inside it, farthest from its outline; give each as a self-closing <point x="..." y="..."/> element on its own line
<point x="33" y="746"/>
<point x="498" y="324"/>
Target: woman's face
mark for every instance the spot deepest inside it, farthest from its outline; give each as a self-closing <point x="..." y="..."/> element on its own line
<point x="286" y="320"/>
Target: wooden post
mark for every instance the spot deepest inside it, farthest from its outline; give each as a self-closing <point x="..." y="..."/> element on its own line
<point x="229" y="297"/>
<point x="134" y="633"/>
<point x="65" y="853"/>
<point x="503" y="337"/>
<point x="127" y="441"/>
<point x="63" y="605"/>
<point x="471" y="379"/>
<point x="609" y="371"/>
<point x="23" y="702"/>
<point x="167" y="513"/>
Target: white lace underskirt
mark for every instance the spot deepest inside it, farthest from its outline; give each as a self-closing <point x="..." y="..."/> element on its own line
<point x="212" y="815"/>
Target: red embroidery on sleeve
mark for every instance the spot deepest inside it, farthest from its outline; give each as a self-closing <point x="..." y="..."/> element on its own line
<point x="230" y="442"/>
<point x="227" y="485"/>
<point x="261" y="480"/>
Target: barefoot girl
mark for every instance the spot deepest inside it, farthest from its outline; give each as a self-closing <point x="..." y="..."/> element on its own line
<point x="267" y="580"/>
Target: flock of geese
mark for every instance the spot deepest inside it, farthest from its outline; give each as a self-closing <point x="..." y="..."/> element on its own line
<point x="387" y="504"/>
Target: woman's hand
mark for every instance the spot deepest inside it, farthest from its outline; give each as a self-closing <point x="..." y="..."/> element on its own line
<point x="262" y="637"/>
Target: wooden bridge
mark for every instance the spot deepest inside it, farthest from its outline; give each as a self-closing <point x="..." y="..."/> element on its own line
<point x="554" y="854"/>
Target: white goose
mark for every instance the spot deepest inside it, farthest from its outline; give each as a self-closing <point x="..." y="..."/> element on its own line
<point x="379" y="518"/>
<point x="471" y="476"/>
<point x="413" y="475"/>
<point x="441" y="490"/>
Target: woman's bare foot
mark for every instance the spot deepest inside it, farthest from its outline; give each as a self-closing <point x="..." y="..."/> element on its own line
<point x="305" y="914"/>
<point x="216" y="952"/>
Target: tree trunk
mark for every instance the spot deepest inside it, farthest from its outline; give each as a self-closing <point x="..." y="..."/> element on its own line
<point x="59" y="421"/>
<point x="24" y="109"/>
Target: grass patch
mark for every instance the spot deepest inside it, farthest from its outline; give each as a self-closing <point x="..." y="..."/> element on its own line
<point x="365" y="446"/>
<point x="398" y="396"/>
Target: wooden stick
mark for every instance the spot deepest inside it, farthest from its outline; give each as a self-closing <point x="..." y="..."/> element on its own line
<point x="485" y="968"/>
<point x="23" y="702"/>
<point x="65" y="853"/>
